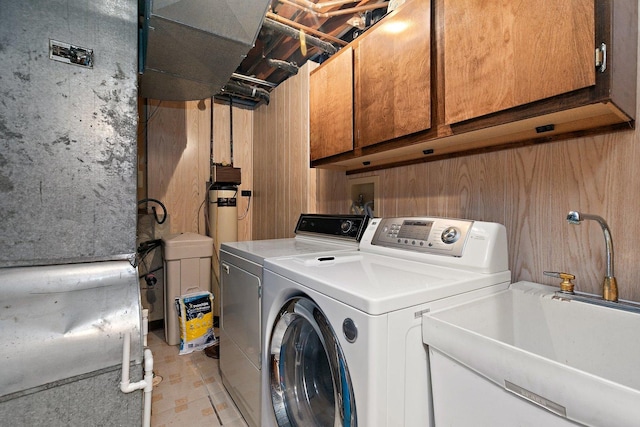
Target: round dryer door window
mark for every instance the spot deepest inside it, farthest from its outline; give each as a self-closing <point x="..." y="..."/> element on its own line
<point x="310" y="383"/>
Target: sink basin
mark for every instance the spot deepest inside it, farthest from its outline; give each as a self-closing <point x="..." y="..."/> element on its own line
<point x="578" y="360"/>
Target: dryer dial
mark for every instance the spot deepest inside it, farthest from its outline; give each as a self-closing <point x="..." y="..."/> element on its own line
<point x="450" y="235"/>
<point x="346" y="226"/>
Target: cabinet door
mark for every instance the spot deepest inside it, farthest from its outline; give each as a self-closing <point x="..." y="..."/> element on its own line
<point x="393" y="76"/>
<point x="331" y="106"/>
<point x="500" y="54"/>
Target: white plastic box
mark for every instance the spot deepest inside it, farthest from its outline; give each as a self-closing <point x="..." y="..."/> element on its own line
<point x="187" y="269"/>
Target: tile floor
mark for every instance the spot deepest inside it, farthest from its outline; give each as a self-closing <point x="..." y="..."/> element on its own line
<point x="189" y="391"/>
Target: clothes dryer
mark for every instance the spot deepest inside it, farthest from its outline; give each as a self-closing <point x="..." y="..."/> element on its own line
<point x="343" y="343"/>
<point x="241" y="289"/>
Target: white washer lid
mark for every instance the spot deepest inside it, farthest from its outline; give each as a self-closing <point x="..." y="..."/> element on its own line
<point x="377" y="284"/>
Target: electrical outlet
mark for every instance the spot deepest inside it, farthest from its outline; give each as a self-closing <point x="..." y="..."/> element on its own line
<point x="246" y="193"/>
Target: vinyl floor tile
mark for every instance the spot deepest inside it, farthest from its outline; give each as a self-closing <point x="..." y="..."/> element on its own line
<point x="188" y="389"/>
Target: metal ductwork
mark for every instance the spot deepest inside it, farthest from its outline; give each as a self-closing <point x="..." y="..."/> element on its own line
<point x="190" y="48"/>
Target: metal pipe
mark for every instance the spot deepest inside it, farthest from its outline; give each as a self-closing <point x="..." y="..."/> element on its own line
<point x="357" y="9"/>
<point x="323" y="5"/>
<point x="347" y="11"/>
<point x="231" y="130"/>
<point x="610" y="287"/>
<point x="252" y="80"/>
<point x="247" y="91"/>
<point x="305" y="28"/>
<point x="289" y="67"/>
<point x="294" y="33"/>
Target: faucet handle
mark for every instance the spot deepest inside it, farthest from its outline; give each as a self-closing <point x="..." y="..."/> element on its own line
<point x="566" y="286"/>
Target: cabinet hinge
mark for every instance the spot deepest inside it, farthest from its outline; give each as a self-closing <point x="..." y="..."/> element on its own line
<point x="259" y="291"/>
<point x="601" y="58"/>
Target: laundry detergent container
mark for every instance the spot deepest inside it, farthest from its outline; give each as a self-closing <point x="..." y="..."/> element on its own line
<point x="187" y="269"/>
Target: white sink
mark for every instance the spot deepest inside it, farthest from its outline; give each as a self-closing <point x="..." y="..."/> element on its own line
<point x="579" y="360"/>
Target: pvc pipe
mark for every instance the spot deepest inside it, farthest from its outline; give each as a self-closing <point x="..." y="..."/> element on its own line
<point x="145" y="384"/>
<point x="148" y="389"/>
<point x="145" y="326"/>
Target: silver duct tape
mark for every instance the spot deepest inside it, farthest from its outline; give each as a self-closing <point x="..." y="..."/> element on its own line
<point x="61" y="321"/>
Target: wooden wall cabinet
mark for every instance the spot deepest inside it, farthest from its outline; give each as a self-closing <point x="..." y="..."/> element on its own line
<point x="501" y="75"/>
<point x="331" y="106"/>
<point x="376" y="89"/>
<point x="393" y="76"/>
<point x="499" y="55"/>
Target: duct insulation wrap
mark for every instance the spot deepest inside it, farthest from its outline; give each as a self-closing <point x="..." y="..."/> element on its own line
<point x="64" y="321"/>
<point x="223" y="225"/>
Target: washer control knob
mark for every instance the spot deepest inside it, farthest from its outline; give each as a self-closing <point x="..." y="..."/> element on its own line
<point x="346" y="226"/>
<point x="450" y="235"/>
<point x="350" y="330"/>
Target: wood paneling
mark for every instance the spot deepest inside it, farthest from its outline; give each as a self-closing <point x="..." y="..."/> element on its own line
<point x="283" y="181"/>
<point x="179" y="153"/>
<point x="513" y="53"/>
<point x="531" y="190"/>
<point x="174" y="167"/>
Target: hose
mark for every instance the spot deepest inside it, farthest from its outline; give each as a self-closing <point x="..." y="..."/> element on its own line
<point x="153" y="209"/>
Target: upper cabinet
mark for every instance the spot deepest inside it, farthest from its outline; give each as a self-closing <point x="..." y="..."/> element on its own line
<point x="376" y="89"/>
<point x="472" y="76"/>
<point x="331" y="106"/>
<point x="499" y="55"/>
<point x="393" y="77"/>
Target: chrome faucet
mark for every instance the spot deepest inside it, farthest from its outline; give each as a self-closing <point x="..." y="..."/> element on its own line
<point x="609" y="285"/>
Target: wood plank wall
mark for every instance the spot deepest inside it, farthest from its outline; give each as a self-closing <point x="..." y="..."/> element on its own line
<point x="283" y="182"/>
<point x="531" y="190"/>
<point x="178" y="156"/>
<point x="177" y="163"/>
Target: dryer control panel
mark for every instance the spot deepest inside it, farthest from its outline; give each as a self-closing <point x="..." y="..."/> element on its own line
<point x="345" y="227"/>
<point x="430" y="235"/>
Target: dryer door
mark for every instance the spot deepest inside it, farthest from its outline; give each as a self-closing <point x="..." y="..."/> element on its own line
<point x="310" y="382"/>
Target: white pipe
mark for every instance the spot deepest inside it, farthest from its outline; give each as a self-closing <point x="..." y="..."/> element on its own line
<point x="145" y="326"/>
<point x="148" y="389"/>
<point x="145" y="384"/>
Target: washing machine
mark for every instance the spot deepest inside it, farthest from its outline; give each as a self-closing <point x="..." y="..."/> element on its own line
<point x="343" y="343"/>
<point x="241" y="278"/>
